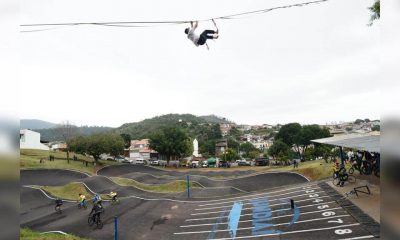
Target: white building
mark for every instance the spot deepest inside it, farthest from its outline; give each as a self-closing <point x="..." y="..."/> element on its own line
<point x="30" y="140"/>
<point x="195" y="148"/>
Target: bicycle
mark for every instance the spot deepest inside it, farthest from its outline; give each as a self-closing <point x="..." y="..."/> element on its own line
<point x="350" y="193"/>
<point x="95" y="219"/>
<point x="115" y="201"/>
<point x="82" y="205"/>
<point x="344" y="178"/>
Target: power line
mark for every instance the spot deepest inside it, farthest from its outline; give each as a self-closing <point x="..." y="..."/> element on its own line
<point x="162" y="23"/>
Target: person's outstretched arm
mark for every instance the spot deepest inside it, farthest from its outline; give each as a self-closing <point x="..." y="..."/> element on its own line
<point x="194" y="24"/>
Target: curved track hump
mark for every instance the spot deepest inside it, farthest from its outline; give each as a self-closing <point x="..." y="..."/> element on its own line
<point x="103" y="185"/>
<point x="50" y="177"/>
<point x="119" y="170"/>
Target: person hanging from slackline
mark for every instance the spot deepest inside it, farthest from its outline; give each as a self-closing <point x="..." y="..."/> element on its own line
<point x="202" y="38"/>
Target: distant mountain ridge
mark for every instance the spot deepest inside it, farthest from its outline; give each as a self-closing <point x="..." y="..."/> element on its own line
<point x="35" y="124"/>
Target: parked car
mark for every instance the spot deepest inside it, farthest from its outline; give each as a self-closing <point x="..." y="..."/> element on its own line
<point x="204" y="165"/>
<point x="244" y="163"/>
<point x="154" y="162"/>
<point x="127" y="160"/>
<point x="119" y="159"/>
<point x="139" y="161"/>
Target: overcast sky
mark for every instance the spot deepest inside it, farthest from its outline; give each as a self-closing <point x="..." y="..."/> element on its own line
<point x="312" y="64"/>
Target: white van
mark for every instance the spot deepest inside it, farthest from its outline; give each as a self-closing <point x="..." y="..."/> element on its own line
<point x="139" y="161"/>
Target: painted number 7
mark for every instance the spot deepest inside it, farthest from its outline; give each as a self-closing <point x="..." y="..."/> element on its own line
<point x="336" y="221"/>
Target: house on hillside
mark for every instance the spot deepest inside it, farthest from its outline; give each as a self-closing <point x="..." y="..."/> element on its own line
<point x="29" y="139"/>
<point x="58" y="146"/>
<point x="141" y="149"/>
<point x="221" y="146"/>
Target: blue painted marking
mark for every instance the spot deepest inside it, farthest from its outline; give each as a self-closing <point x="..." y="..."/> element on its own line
<point x="296" y="215"/>
<point x="233" y="218"/>
<point x="261" y="215"/>
<point x="211" y="235"/>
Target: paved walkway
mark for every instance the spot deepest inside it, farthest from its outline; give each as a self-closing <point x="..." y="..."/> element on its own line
<point x="369" y="204"/>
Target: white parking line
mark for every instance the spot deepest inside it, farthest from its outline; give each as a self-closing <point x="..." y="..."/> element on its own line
<point x="250" y="214"/>
<point x="289" y="215"/>
<point x="249" y="208"/>
<point x="270" y="200"/>
<point x="212" y="202"/>
<point x="274" y="225"/>
<point x="262" y="196"/>
<point x="291" y="232"/>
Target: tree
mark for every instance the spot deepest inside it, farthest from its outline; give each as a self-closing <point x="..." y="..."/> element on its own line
<point x="375" y="12"/>
<point x="127" y="139"/>
<point x="232" y="143"/>
<point x="376" y="128"/>
<point x="254" y="154"/>
<point x="171" y="142"/>
<point x="308" y="133"/>
<point x="289" y="133"/>
<point x="299" y="137"/>
<point x="247" y="148"/>
<point x="229" y="155"/>
<point x="207" y="148"/>
<point x="67" y="131"/>
<point x="97" y="144"/>
<point x="358" y="121"/>
<point x="278" y="148"/>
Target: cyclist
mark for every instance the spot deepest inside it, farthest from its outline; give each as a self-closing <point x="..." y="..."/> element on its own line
<point x="97" y="199"/>
<point x="82" y="199"/>
<point x="342" y="175"/>
<point x="113" y="195"/>
<point x="335" y="167"/>
<point x="59" y="203"/>
<point x="97" y="209"/>
<point x="348" y="165"/>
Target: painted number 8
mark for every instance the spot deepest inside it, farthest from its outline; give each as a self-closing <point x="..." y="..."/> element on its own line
<point x="342" y="231"/>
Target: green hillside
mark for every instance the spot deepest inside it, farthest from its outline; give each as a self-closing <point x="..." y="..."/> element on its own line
<point x="194" y="126"/>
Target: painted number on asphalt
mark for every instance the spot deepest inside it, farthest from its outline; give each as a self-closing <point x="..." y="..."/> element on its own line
<point x="342" y="231"/>
<point x="336" y="221"/>
<point x="323" y="206"/>
<point x="328" y="214"/>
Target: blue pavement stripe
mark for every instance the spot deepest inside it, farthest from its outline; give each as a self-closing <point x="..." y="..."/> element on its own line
<point x="233" y="218"/>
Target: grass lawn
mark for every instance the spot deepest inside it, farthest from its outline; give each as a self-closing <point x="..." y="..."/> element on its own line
<point x="69" y="191"/>
<point x="314" y="170"/>
<point x="30" y="158"/>
<point x="28" y="234"/>
<point x="174" y="186"/>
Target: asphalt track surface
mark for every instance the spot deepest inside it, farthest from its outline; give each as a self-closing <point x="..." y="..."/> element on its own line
<point x="263" y="213"/>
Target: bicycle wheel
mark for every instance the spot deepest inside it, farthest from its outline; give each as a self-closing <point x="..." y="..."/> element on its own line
<point x="351" y="179"/>
<point x="335" y="181"/>
<point x="351" y="170"/>
<point x="90" y="220"/>
<point x="99" y="223"/>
